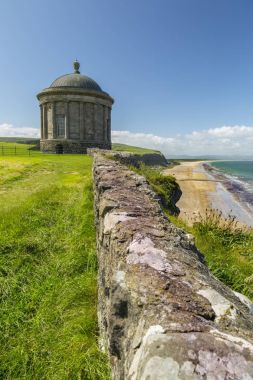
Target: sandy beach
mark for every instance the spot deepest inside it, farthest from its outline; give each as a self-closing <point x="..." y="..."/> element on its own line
<point x="195" y="186"/>
<point x="201" y="191"/>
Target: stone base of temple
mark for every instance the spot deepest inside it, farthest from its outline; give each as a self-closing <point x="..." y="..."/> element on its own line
<point x="71" y="146"/>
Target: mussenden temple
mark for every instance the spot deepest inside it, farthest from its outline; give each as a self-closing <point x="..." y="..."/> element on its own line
<point x="75" y="115"/>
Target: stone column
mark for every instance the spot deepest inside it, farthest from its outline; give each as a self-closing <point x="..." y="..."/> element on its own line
<point x="66" y="110"/>
<point x="94" y="126"/>
<point x="54" y="121"/>
<point x="105" y="124"/>
<point x="66" y="119"/>
<point x="44" y="110"/>
<point x="109" y="125"/>
<point x="89" y="132"/>
<point x="41" y="123"/>
<point x="81" y="125"/>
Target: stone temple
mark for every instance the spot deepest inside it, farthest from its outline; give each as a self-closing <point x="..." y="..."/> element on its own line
<point x="75" y="115"/>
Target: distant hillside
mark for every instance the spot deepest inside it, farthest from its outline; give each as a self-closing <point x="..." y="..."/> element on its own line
<point x="20" y="140"/>
<point x="209" y="157"/>
<point x="132" y="149"/>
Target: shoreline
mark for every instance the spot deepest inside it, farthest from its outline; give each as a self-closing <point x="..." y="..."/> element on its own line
<point x="204" y="187"/>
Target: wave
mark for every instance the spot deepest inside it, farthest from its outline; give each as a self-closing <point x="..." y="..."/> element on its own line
<point x="241" y="189"/>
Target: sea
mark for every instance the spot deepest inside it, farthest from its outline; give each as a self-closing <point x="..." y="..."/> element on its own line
<point x="237" y="178"/>
<point x="239" y="170"/>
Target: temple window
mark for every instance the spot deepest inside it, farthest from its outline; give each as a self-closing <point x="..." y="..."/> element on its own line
<point x="60" y="125"/>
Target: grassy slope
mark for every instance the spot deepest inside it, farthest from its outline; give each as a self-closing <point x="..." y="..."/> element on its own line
<point x="48" y="270"/>
<point x="228" y="250"/>
<point x="132" y="149"/>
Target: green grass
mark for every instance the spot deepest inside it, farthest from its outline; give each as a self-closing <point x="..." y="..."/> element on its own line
<point x="17" y="149"/>
<point x="132" y="149"/>
<point x="48" y="270"/>
<point x="228" y="249"/>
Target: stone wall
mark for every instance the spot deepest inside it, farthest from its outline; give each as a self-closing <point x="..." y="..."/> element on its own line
<point x="162" y="314"/>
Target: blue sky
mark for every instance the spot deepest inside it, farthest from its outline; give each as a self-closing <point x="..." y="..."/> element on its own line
<point x="181" y="71"/>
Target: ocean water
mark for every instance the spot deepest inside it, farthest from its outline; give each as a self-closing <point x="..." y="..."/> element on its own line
<point x="240" y="170"/>
<point x="237" y="178"/>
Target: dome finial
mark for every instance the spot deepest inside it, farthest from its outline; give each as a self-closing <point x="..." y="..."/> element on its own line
<point x="76" y="65"/>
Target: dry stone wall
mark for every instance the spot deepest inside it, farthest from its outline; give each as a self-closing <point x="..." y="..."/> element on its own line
<point x="162" y="314"/>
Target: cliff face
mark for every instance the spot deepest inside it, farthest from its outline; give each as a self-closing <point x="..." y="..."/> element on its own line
<point x="149" y="159"/>
<point x="165" y="187"/>
<point x="162" y="315"/>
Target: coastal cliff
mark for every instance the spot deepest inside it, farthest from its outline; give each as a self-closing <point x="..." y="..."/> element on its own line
<point x="148" y="159"/>
<point x="162" y="314"/>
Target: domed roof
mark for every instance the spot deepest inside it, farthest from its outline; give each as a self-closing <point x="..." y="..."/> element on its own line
<point x="76" y="80"/>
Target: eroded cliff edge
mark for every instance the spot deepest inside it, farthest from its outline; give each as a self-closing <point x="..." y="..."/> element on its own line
<point x="162" y="314"/>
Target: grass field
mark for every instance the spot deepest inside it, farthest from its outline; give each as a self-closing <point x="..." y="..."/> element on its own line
<point x="48" y="270"/>
<point x="17" y="149"/>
